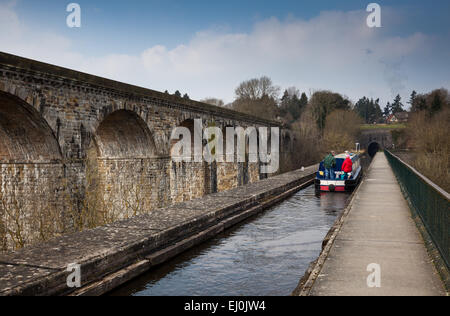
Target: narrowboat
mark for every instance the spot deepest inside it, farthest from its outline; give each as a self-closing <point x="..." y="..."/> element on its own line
<point x="341" y="182"/>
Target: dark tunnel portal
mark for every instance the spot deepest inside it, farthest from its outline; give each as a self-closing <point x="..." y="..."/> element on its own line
<point x="373" y="149"/>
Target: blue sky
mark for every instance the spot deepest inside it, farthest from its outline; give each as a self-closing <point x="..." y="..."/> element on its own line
<point x="205" y="48"/>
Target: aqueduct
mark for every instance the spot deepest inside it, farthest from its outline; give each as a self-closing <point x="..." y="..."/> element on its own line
<point x="78" y="143"/>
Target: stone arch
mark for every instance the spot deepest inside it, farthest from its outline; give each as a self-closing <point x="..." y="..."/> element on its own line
<point x="247" y="165"/>
<point x="160" y="138"/>
<point x="24" y="135"/>
<point x="287" y="143"/>
<point x="124" y="134"/>
<point x="121" y="169"/>
<point x="189" y="124"/>
<point x="32" y="190"/>
<point x="188" y="180"/>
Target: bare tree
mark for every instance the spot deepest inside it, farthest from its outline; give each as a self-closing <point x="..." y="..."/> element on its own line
<point x="264" y="107"/>
<point x="255" y="89"/>
<point x="258" y="97"/>
<point x="342" y="128"/>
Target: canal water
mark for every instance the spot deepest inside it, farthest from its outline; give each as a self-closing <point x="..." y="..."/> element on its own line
<point x="264" y="256"/>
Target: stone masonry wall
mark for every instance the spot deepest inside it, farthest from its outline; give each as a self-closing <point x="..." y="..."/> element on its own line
<point x="32" y="200"/>
<point x="227" y="176"/>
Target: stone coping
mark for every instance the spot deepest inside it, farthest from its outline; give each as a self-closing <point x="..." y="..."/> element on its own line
<point x="33" y="67"/>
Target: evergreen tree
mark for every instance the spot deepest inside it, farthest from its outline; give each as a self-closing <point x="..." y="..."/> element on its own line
<point x="284" y="102"/>
<point x="285" y="97"/>
<point x="378" y="114"/>
<point x="397" y="106"/>
<point x="362" y="108"/>
<point x="291" y="105"/>
<point x="177" y="94"/>
<point x="303" y="101"/>
<point x="387" y="110"/>
<point x="369" y="110"/>
<point x="294" y="107"/>
<point x="186" y="96"/>
<point x="412" y="98"/>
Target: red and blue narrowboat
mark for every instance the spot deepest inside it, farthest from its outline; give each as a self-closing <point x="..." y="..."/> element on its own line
<point x="340" y="181"/>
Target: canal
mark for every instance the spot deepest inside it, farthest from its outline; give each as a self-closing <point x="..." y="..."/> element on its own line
<point x="264" y="256"/>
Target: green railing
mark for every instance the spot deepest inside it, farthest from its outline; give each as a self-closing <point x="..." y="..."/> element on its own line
<point x="428" y="200"/>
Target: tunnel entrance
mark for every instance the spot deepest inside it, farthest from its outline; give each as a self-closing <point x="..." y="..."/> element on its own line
<point x="373" y="149"/>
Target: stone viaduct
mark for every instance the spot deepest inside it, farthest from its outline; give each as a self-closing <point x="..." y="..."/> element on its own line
<point x="79" y="151"/>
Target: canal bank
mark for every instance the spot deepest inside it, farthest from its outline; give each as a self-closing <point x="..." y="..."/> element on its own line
<point x="112" y="255"/>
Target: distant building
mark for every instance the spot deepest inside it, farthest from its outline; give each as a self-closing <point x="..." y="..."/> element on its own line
<point x="401" y="117"/>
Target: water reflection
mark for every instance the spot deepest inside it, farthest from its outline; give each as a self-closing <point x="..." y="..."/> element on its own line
<point x="266" y="255"/>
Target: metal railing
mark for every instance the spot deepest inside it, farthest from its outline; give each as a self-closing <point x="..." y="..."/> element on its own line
<point x="428" y="200"/>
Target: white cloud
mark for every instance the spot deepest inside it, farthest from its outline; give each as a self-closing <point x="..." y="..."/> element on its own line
<point x="334" y="50"/>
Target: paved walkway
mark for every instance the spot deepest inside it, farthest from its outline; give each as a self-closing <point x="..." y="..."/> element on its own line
<point x="379" y="229"/>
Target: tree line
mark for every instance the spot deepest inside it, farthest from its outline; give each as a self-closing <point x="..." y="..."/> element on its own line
<point x="316" y="120"/>
<point x="260" y="97"/>
<point x="325" y="120"/>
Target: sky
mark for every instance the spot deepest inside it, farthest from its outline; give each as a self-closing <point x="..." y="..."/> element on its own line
<point x="206" y="48"/>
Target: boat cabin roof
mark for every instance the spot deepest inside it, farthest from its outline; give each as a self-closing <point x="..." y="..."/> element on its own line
<point x="343" y="156"/>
